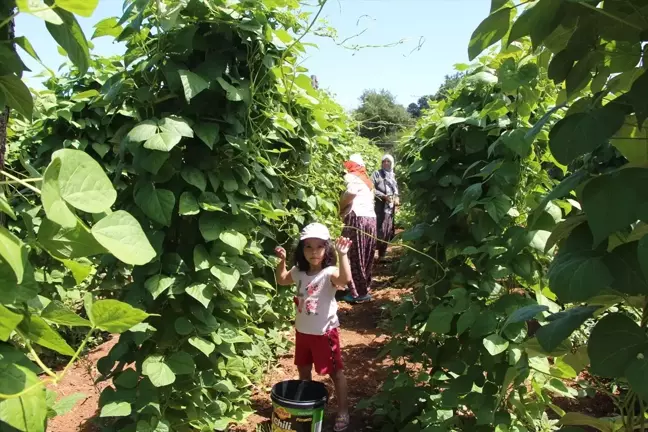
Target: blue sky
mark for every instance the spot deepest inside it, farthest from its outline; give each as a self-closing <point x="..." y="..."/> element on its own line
<point x="408" y="70"/>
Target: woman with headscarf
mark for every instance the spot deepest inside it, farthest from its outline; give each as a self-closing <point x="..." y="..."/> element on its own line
<point x="386" y="190"/>
<point x="358" y="213"/>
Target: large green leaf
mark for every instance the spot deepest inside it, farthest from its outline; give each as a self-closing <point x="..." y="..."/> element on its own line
<point x="615" y="341"/>
<point x="578" y="276"/>
<point x="115" y="316"/>
<point x="157" y="204"/>
<point x="524" y="314"/>
<point x="70" y="37"/>
<point x="202" y="345"/>
<point x="157" y="284"/>
<point x="39" y="9"/>
<point x="83" y="183"/>
<point x="495" y="344"/>
<point x="562" y="325"/>
<point x="158" y="371"/>
<point x="583" y="132"/>
<point x="233" y="93"/>
<point x="188" y="204"/>
<point x="28" y="412"/>
<point x="84" y="8"/>
<point x="471" y="195"/>
<point x="8" y="322"/>
<point x="637" y="375"/>
<point x="208" y="133"/>
<point x="107" y="27"/>
<point x="55" y="207"/>
<point x="211" y="225"/>
<point x="201" y="292"/>
<point x="562" y="230"/>
<point x="57" y="313"/>
<point x="577" y="418"/>
<point x="116" y="409"/>
<point x="616" y="190"/>
<point x="68" y="243"/>
<point x="176" y="124"/>
<point x="13" y="292"/>
<point x="227" y="276"/>
<point x="67" y="403"/>
<point x="16" y="94"/>
<point x="233" y="239"/>
<point x="39" y="332"/>
<point x="181" y="363"/>
<point x="490" y="30"/>
<point x="632" y="142"/>
<point x="192" y="83"/>
<point x="143" y="131"/>
<point x="440" y="320"/>
<point x="516" y="140"/>
<point x="13" y="252"/>
<point x="194" y="177"/>
<point x="628" y="275"/>
<point x="5" y="207"/>
<point x="537" y="21"/>
<point x="163" y="141"/>
<point x="122" y="236"/>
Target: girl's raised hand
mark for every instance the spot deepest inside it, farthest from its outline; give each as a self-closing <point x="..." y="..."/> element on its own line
<point x="280" y="252"/>
<point x="342" y="245"/>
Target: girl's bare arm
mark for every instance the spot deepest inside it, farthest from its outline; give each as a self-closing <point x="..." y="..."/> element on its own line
<point x="282" y="274"/>
<point x="343" y="274"/>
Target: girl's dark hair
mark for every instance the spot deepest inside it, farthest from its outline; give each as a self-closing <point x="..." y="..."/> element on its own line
<point x="330" y="259"/>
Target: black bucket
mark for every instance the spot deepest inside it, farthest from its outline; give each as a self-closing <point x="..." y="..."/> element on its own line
<point x="298" y="406"/>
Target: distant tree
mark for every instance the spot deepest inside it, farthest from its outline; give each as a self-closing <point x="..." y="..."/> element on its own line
<point x="380" y="116"/>
<point x="415" y="109"/>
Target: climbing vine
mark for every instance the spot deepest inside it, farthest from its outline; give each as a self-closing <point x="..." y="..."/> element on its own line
<point x="216" y="142"/>
<point x="46" y="217"/>
<point x="597" y="59"/>
<point x="467" y="345"/>
<point x="536" y="186"/>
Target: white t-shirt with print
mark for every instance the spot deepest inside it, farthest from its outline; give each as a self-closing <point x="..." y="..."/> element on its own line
<point x="317" y="307"/>
<point x="363" y="203"/>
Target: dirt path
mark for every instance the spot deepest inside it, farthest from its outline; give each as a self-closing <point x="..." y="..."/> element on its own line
<point x="80" y="379"/>
<point x="361" y="342"/>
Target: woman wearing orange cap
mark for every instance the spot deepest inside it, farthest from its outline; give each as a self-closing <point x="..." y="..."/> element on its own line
<point x="357" y="210"/>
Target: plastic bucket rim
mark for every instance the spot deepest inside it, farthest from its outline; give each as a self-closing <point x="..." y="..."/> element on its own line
<point x="288" y="403"/>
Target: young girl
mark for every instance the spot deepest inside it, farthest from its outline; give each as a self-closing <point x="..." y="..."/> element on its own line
<point x="317" y="339"/>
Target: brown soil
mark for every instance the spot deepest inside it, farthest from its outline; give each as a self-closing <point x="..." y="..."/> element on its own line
<point x="361" y="342"/>
<point x="80" y="379"/>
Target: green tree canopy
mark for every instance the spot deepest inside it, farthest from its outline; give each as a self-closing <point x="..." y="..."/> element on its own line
<point x="380" y="116"/>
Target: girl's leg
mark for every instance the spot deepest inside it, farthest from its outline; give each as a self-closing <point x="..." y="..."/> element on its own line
<point x="340" y="383"/>
<point x="342" y="419"/>
<point x="305" y="372"/>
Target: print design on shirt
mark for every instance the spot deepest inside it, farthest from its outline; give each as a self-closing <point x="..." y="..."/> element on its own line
<point x="312" y="290"/>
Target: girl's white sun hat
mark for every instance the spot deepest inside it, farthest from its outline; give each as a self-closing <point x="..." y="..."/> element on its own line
<point x="315" y="230"/>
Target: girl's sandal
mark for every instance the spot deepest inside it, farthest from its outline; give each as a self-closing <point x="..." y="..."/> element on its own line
<point x="341" y="422"/>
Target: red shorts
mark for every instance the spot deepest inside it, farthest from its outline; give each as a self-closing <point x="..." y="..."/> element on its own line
<point x="321" y="350"/>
